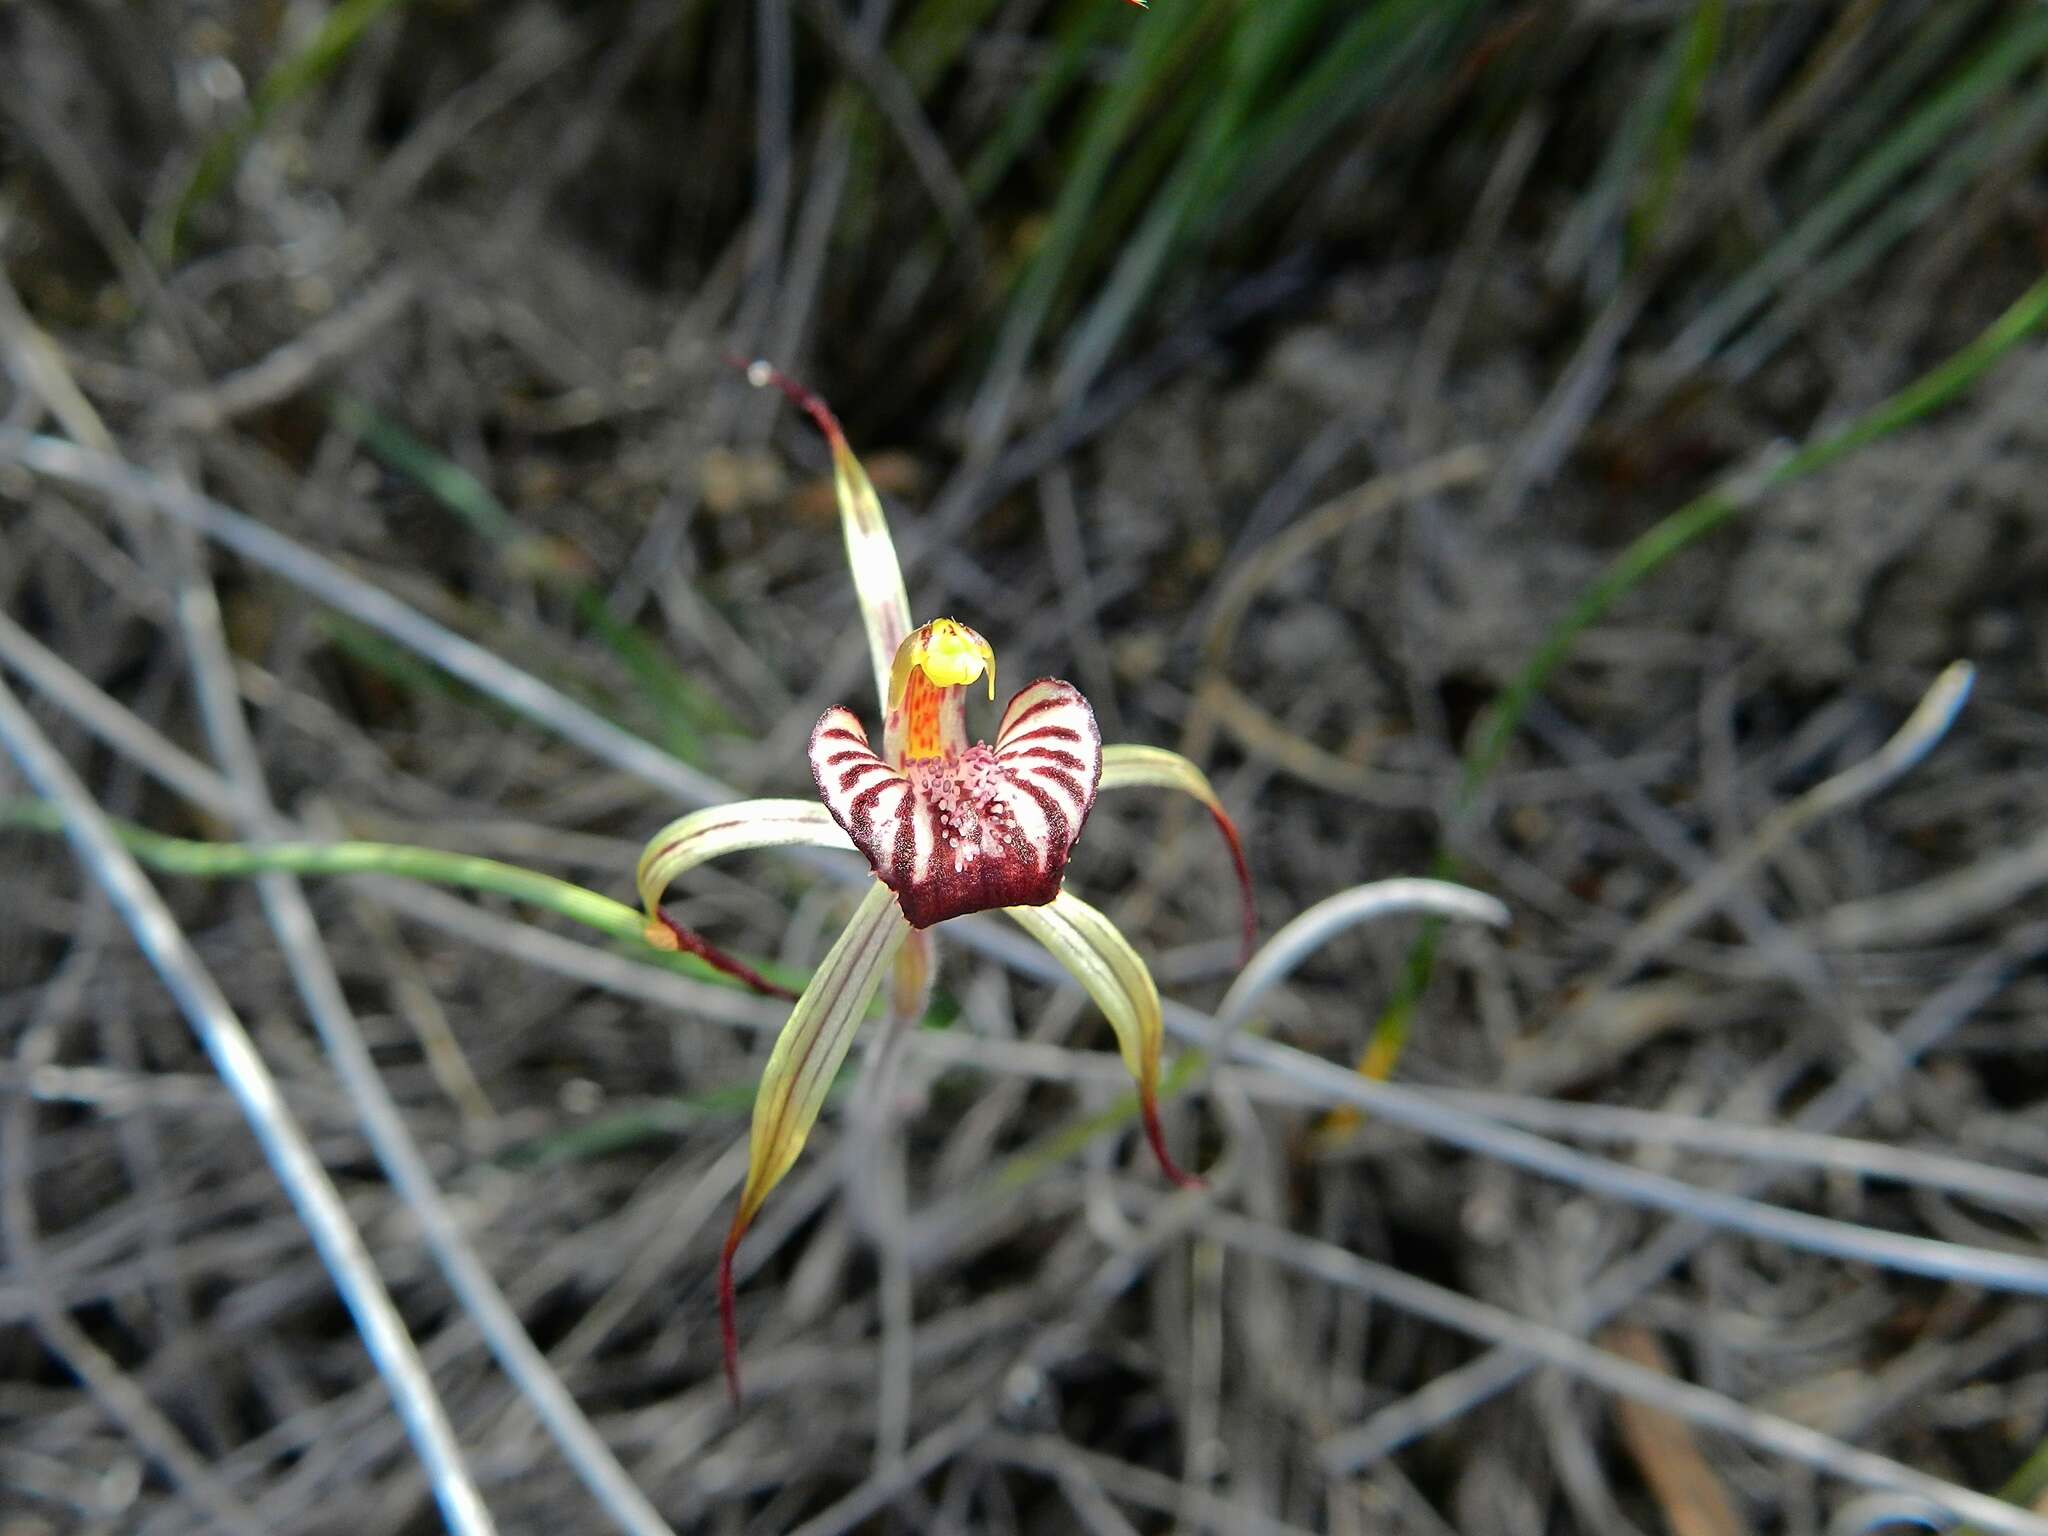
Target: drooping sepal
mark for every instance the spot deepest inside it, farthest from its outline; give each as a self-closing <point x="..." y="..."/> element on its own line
<point x="1111" y="972"/>
<point x="703" y="835"/>
<point x="975" y="830"/>
<point x="807" y="1056"/>
<point x="1134" y="767"/>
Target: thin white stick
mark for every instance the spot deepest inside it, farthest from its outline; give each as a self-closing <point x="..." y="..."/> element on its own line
<point x="294" y="365"/>
<point x="1281" y="955"/>
<point x="1782" y="1145"/>
<point x="496" y="1320"/>
<point x="371" y="605"/>
<point x="1391" y="1102"/>
<point x="291" y="918"/>
<point x="234" y="1056"/>
<point x="120" y="728"/>
<point x="1553" y="1346"/>
<point x="1921" y="732"/>
<point x="1921" y="913"/>
<point x="1398" y="1105"/>
<point x="1457" y="1391"/>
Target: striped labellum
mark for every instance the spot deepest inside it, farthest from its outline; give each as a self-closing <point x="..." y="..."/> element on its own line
<point x="954" y="827"/>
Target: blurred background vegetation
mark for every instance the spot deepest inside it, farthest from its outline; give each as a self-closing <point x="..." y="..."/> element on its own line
<point x="1287" y="372"/>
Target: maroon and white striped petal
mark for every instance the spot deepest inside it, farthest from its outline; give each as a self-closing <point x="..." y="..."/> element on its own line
<point x="975" y="830"/>
<point x="873" y="803"/>
<point x="1050" y="750"/>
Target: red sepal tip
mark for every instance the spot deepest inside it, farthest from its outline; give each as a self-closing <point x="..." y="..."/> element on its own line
<point x="695" y="943"/>
<point x="1157" y="1136"/>
<point x="760" y="372"/>
<point x="1247" y="902"/>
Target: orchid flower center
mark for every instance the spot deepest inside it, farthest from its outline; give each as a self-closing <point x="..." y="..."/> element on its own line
<point x="952" y="825"/>
<point x="948" y="653"/>
<point x="927" y="716"/>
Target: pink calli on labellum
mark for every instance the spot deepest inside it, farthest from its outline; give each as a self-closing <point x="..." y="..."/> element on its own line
<point x="965" y="828"/>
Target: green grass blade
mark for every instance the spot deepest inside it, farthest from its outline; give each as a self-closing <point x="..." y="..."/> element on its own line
<point x="1589" y="225"/>
<point x="1158" y="56"/>
<point x="1257" y="47"/>
<point x="1394" y="40"/>
<point x="1704" y="514"/>
<point x="1701" y="43"/>
<point x="431" y="866"/>
<point x="2013" y="138"/>
<point x="933" y="37"/>
<point x="625" y="1129"/>
<point x="435" y="473"/>
<point x="2019" y="46"/>
<point x="1063" y="1145"/>
<point x="403" y="669"/>
<point x="1885" y="95"/>
<point x="336" y="39"/>
<point x="1629" y="569"/>
<point x="682" y="711"/>
<point x="1084" y="22"/>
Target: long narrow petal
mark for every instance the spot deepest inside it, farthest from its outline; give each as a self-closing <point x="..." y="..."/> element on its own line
<point x="877" y="578"/>
<point x="1102" y="960"/>
<point x="1128" y="767"/>
<point x="685" y="843"/>
<point x="806" y="1058"/>
<point x="722" y="829"/>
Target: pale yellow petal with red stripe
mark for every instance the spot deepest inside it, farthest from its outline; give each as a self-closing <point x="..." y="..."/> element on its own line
<point x="806" y="1058"/>
<point x="711" y="834"/>
<point x="1111" y="972"/>
<point x="877" y="575"/>
<point x="691" y="840"/>
<point x="1132" y="767"/>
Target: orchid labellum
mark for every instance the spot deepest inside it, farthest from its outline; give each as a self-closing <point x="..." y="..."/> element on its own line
<point x="949" y="825"/>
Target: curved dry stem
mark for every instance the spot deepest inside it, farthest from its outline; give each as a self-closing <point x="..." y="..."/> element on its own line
<point x="1553" y="1346"/>
<point x="1310" y="930"/>
<point x="284" y="1142"/>
<point x="1920" y="733"/>
<point x="430" y="866"/>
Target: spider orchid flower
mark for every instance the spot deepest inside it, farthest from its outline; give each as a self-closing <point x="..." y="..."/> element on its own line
<point x="949" y="825"/>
